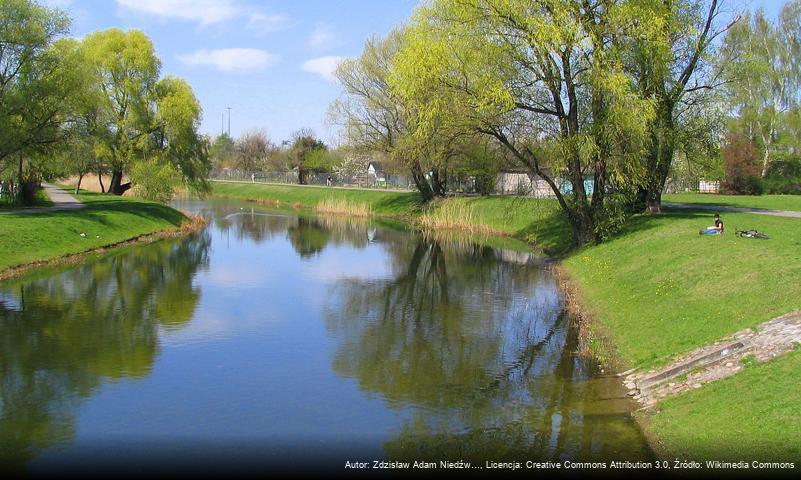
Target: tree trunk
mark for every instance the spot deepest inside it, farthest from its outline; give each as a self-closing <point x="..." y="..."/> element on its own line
<point x="660" y="157"/>
<point x="100" y="179"/>
<point x="19" y="180"/>
<point x="438" y="184"/>
<point x="421" y="183"/>
<point x="116" y="186"/>
<point x="78" y="185"/>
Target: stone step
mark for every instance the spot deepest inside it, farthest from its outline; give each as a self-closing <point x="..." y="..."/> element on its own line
<point x="704" y="360"/>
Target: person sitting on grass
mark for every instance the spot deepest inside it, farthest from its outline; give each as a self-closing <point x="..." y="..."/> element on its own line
<point x="715" y="229"/>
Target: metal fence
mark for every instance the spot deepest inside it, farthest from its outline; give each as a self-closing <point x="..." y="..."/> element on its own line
<point x="519" y="184"/>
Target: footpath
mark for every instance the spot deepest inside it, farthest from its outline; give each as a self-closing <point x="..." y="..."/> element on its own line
<point x="60" y="198"/>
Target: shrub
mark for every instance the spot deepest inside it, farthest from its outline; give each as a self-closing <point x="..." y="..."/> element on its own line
<point x="784" y="175"/>
<point x="154" y="180"/>
<point x="740" y="166"/>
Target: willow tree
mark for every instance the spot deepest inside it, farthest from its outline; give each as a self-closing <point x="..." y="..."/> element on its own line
<point x="143" y="118"/>
<point x="39" y="78"/>
<point x="546" y="79"/>
<point x="376" y="119"/>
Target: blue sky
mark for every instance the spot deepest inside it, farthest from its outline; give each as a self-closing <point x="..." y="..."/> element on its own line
<point x="270" y="61"/>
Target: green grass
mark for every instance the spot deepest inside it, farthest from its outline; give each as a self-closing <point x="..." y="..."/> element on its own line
<point x="659" y="289"/>
<point x="30" y="237"/>
<point x="382" y="203"/>
<point x="40" y="200"/>
<point x="771" y="202"/>
<point x="754" y="415"/>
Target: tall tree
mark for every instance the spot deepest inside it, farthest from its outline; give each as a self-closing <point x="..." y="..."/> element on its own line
<point x="765" y="75"/>
<point x="142" y="117"/>
<point x="39" y="76"/>
<point x="376" y="119"/>
<point x="671" y="66"/>
<point x="304" y="144"/>
<point x="252" y="150"/>
<point x="547" y="80"/>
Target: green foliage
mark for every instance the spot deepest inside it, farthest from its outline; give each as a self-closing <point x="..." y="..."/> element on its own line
<point x="528" y="73"/>
<point x="36" y="79"/>
<point x="154" y="180"/>
<point x="322" y="160"/>
<point x="305" y="148"/>
<point x="139" y="116"/>
<point x="764" y="79"/>
<point x="222" y="152"/>
<point x="481" y="163"/>
<point x="784" y="174"/>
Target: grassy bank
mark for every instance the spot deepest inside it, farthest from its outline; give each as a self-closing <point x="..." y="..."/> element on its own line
<point x="535" y="220"/>
<point x="754" y="415"/>
<point x="659" y="289"/>
<point x="105" y="220"/>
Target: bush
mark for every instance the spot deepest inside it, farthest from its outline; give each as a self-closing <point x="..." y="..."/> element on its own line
<point x="154" y="180"/>
<point x="784" y="175"/>
<point x="745" y="185"/>
<point x="740" y="166"/>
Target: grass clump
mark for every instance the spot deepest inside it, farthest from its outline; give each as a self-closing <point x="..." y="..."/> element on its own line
<point x="455" y="214"/>
<point x="343" y="206"/>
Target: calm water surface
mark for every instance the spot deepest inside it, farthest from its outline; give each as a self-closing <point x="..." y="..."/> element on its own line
<point x="277" y="339"/>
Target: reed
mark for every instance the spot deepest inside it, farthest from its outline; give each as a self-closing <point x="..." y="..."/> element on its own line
<point x="343" y="206"/>
<point x="455" y="214"/>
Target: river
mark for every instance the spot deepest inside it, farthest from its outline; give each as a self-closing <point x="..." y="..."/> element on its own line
<point x="278" y="340"/>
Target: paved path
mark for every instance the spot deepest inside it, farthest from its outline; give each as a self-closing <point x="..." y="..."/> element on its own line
<point x="723" y="208"/>
<point x="60" y="198"/>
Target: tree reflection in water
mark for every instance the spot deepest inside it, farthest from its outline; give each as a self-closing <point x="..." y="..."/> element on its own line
<point x="480" y="351"/>
<point x="62" y="335"/>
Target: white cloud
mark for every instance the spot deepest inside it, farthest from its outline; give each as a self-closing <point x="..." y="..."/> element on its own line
<point x="268" y="22"/>
<point x="203" y="11"/>
<point x="322" y="37"/>
<point x="323" y="66"/>
<point x="238" y="60"/>
<point x="207" y="12"/>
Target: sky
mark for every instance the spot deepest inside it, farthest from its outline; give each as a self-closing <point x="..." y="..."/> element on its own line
<point x="269" y="61"/>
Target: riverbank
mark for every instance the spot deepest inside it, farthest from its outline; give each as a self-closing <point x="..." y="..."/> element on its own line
<point x="33" y="239"/>
<point x="535" y="221"/>
<point x="654" y="292"/>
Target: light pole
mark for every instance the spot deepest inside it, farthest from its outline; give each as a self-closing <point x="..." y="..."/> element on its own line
<point x="229" y="121"/>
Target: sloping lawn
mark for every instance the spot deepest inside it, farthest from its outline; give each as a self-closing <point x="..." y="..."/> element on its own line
<point x="660" y="289"/>
<point x="105" y="220"/>
<point x="754" y="415"/>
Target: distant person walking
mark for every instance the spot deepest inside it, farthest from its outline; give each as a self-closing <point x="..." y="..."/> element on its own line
<point x="329" y="181"/>
<point x="252" y="178"/>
